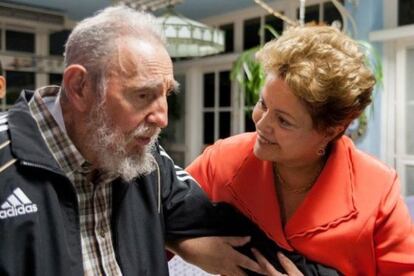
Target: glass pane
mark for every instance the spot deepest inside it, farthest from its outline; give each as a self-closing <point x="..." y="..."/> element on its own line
<point x="409" y="178"/>
<point x="225" y="124"/>
<point x="225" y="89"/>
<point x="251" y="33"/>
<point x="208" y="90"/>
<point x="208" y="123"/>
<point x="405" y="12"/>
<point x="16" y="82"/>
<point x="57" y="42"/>
<point x="331" y="13"/>
<point x="410" y="102"/>
<point x="248" y="121"/>
<point x="276" y="24"/>
<point x="20" y="41"/>
<point x="228" y="37"/>
<point x="174" y="132"/>
<point x="55" y="79"/>
<point x="311" y="13"/>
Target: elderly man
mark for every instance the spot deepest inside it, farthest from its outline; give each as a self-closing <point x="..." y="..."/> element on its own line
<point x="84" y="187"/>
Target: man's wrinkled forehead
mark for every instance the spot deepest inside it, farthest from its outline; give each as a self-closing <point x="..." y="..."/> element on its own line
<point x="133" y="54"/>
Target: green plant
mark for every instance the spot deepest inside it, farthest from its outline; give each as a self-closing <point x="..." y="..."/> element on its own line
<point x="249" y="75"/>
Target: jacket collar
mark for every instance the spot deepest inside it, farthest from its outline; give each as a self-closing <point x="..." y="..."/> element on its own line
<point x="27" y="142"/>
<point x="330" y="201"/>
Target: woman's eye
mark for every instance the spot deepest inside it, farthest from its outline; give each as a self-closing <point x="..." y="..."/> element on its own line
<point x="283" y="122"/>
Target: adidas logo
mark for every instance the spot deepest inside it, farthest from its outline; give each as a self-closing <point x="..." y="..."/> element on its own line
<point x="17" y="204"/>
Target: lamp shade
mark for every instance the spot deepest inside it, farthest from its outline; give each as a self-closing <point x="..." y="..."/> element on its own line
<point x="189" y="38"/>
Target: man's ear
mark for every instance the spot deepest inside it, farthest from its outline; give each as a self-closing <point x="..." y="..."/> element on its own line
<point x="74" y="82"/>
<point x="2" y="87"/>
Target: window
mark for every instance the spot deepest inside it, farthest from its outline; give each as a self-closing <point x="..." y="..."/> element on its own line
<point x="325" y="12"/>
<point x="311" y="13"/>
<point x="405" y="12"/>
<point x="276" y="24"/>
<point x="406" y="150"/>
<point x="251" y="31"/>
<point x="57" y="42"/>
<point x="228" y="37"/>
<point x="216" y="106"/>
<point x="55" y="79"/>
<point x="173" y="136"/>
<point x="331" y="13"/>
<point x="16" y="82"/>
<point x="20" y="41"/>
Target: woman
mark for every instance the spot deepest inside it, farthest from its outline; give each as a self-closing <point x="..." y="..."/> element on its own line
<point x="298" y="177"/>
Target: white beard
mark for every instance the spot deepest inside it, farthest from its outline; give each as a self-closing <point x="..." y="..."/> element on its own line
<point x="109" y="145"/>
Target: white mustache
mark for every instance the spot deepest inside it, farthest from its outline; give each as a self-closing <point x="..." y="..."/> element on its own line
<point x="144" y="130"/>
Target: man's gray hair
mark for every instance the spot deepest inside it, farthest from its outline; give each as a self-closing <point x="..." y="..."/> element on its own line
<point x="93" y="41"/>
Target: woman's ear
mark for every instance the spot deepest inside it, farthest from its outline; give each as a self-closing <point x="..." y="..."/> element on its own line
<point x="74" y="82"/>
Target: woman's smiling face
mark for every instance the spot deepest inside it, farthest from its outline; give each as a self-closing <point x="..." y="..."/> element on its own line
<point x="284" y="126"/>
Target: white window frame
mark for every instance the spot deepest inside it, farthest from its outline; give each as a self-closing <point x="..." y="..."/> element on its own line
<point x="217" y="109"/>
<point x="402" y="159"/>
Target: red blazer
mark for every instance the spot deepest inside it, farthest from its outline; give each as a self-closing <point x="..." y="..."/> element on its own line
<point x="353" y="219"/>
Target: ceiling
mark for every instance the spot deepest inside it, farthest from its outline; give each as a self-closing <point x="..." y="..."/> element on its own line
<point x="195" y="9"/>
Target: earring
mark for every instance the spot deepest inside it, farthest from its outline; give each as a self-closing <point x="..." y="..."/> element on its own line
<point x="321" y="151"/>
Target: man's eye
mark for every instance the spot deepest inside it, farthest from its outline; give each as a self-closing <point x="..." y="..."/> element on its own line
<point x="143" y="96"/>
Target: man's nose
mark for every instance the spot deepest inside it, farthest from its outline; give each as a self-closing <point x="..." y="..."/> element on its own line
<point x="159" y="113"/>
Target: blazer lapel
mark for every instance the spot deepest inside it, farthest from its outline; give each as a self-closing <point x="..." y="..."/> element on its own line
<point x="253" y="190"/>
<point x="331" y="200"/>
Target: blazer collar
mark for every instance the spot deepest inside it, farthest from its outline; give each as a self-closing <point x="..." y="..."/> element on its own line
<point x="331" y="200"/>
<point x="328" y="203"/>
<point x="254" y="192"/>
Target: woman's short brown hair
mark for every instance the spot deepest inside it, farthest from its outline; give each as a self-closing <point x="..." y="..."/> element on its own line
<point x="325" y="69"/>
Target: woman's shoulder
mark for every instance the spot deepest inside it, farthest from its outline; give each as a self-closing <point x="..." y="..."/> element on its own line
<point x="369" y="169"/>
<point x="220" y="162"/>
<point x="365" y="161"/>
<point x="230" y="153"/>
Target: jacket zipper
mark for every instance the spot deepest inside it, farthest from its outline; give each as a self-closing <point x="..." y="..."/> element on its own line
<point x="35" y="165"/>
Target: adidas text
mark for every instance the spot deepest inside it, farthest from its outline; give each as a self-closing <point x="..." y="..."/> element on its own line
<point x="19" y="210"/>
<point x="17" y="204"/>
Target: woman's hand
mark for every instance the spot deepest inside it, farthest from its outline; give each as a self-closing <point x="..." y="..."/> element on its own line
<point x="287" y="264"/>
<point x="216" y="255"/>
